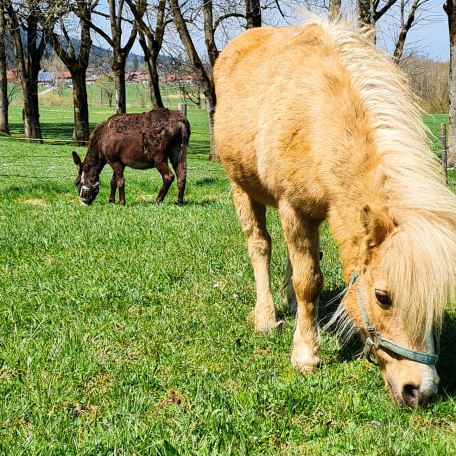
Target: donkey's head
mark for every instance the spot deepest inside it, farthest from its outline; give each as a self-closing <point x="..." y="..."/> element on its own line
<point x="390" y="305"/>
<point x="86" y="181"/>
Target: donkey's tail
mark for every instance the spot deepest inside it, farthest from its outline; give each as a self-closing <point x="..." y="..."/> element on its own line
<point x="181" y="169"/>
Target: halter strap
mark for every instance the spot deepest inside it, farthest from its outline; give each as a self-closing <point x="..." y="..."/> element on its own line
<point x="375" y="340"/>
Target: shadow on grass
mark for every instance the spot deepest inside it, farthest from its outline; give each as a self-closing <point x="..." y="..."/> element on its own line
<point x="51" y="130"/>
<point x="446" y="366"/>
<point x="39" y="187"/>
<point x="206" y="181"/>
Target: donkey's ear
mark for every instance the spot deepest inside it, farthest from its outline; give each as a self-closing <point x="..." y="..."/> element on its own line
<point x="77" y="160"/>
<point x="377" y="224"/>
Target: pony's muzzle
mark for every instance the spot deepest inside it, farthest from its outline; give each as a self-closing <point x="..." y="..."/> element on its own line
<point x="414" y="393"/>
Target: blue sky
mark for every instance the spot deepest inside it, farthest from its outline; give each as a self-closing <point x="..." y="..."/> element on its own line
<point x="430" y="35"/>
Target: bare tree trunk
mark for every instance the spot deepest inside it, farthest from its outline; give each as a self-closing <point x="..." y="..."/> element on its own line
<point x="406" y="25"/>
<point x="451" y="12"/>
<point x="334" y="9"/>
<point x="28" y="66"/>
<point x="76" y="64"/>
<point x="366" y="17"/>
<point x="81" y="130"/>
<point x="119" y="82"/>
<point x="150" y="59"/>
<point x="4" y="125"/>
<point x="253" y="13"/>
<point x="32" y="127"/>
<point x="205" y="79"/>
<point x="151" y="40"/>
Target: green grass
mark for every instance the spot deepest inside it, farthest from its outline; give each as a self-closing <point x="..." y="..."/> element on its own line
<point x="123" y="329"/>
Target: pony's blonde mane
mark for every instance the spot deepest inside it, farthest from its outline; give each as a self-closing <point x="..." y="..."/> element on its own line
<point x="419" y="258"/>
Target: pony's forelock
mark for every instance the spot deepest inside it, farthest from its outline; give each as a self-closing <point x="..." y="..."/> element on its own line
<point x="419" y="265"/>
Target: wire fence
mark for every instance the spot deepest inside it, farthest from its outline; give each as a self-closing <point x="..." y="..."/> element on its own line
<point x="442" y="148"/>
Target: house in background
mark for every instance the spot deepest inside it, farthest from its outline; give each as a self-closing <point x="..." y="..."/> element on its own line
<point x="137" y="77"/>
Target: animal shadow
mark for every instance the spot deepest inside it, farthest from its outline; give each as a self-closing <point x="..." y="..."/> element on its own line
<point x="446" y="366"/>
<point x="351" y="347"/>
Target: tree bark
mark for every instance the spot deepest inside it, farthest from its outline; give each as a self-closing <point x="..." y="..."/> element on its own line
<point x="253" y="13"/>
<point x="150" y="59"/>
<point x="405" y="27"/>
<point x="334" y="9"/>
<point x="32" y="126"/>
<point x="369" y="13"/>
<point x="119" y="82"/>
<point x="116" y="18"/>
<point x="151" y="43"/>
<point x="451" y="12"/>
<point x="4" y="124"/>
<point x="76" y="65"/>
<point x="81" y="130"/>
<point x="28" y="66"/>
<point x="366" y="18"/>
<point x="203" y="76"/>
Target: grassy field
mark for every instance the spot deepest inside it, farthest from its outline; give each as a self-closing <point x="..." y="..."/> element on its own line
<point x="123" y="329"/>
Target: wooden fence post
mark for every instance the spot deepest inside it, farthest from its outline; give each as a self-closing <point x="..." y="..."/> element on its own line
<point x="182" y="107"/>
<point x="443" y="138"/>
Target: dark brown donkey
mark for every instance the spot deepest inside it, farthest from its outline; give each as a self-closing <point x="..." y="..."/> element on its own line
<point x="139" y="141"/>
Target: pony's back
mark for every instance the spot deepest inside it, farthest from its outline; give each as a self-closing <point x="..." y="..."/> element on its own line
<point x="287" y="108"/>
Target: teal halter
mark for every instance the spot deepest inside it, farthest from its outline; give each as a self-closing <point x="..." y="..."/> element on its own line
<point x="375" y="340"/>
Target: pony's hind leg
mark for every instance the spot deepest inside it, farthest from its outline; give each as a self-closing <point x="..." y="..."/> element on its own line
<point x="301" y="236"/>
<point x="253" y="220"/>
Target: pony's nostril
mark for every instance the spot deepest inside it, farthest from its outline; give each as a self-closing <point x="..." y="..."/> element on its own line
<point x="411" y="395"/>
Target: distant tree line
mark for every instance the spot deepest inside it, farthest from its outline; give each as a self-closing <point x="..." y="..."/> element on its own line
<point x="173" y="27"/>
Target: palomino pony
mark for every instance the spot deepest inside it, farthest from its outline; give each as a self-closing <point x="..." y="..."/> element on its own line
<point x="140" y="141"/>
<point x="317" y="122"/>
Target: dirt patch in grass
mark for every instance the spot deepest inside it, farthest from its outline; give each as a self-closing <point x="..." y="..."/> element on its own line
<point x="35" y="202"/>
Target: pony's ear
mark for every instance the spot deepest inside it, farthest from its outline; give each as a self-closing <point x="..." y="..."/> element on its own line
<point x="77" y="161"/>
<point x="377" y="223"/>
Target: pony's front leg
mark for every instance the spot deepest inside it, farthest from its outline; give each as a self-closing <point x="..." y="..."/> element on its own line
<point x="290" y="302"/>
<point x="253" y="220"/>
<point x="301" y="236"/>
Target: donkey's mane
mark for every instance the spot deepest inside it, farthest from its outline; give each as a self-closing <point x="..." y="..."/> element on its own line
<point x="419" y="258"/>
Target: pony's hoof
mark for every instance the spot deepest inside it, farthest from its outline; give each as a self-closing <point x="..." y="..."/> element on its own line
<point x="305" y="364"/>
<point x="262" y="324"/>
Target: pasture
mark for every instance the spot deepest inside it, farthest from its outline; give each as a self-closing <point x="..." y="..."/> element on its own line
<point x="123" y="329"/>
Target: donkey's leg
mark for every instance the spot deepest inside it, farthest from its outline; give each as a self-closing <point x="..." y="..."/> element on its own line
<point x="120" y="181"/>
<point x="112" y="196"/>
<point x="180" y="168"/>
<point x="301" y="236"/>
<point x="167" y="177"/>
<point x="253" y="220"/>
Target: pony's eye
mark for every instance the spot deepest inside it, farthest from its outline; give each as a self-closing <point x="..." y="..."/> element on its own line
<point x="383" y="299"/>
